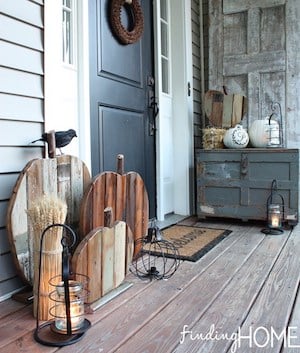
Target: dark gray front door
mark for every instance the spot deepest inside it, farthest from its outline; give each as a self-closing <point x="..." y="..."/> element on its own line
<point x="120" y="85"/>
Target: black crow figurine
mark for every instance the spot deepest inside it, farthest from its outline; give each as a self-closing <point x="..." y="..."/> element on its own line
<point x="62" y="138"/>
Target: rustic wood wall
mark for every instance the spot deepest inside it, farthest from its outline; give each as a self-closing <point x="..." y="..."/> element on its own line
<point x="21" y="109"/>
<point x="254" y="50"/>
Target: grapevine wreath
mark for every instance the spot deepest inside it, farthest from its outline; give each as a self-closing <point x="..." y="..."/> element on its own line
<point x="124" y="35"/>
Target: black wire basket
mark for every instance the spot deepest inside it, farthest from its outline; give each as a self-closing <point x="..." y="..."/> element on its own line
<point x="156" y="259"/>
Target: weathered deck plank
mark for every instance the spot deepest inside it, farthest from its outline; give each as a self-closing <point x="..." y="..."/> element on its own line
<point x="247" y="280"/>
<point x="232" y="306"/>
<point x="118" y="327"/>
<point x="294" y="329"/>
<point x="188" y="308"/>
<point x="8" y="307"/>
<point x="25" y="342"/>
<point x="16" y="325"/>
<point x="275" y="302"/>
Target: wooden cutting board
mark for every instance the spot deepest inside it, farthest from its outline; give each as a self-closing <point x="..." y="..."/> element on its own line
<point x="127" y="196"/>
<point x="104" y="256"/>
<point x="64" y="176"/>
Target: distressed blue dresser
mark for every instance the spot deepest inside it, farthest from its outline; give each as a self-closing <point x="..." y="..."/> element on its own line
<point x="236" y="183"/>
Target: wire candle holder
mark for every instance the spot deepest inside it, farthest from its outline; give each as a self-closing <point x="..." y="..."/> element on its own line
<point x="157" y="258"/>
<point x="275" y="131"/>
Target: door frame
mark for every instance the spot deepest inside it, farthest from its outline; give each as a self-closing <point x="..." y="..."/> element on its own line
<point x="183" y="108"/>
<point x="84" y="82"/>
<point x="182" y="111"/>
<point x="183" y="118"/>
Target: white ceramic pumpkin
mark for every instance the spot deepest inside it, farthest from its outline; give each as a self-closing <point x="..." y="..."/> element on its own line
<point x="236" y="137"/>
<point x="259" y="132"/>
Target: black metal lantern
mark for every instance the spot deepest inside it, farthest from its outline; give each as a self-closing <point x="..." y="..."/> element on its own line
<point x="69" y="324"/>
<point x="157" y="258"/>
<point x="275" y="211"/>
<point x="275" y="138"/>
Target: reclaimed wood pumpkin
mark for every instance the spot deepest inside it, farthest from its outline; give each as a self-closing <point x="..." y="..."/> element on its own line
<point x="104" y="255"/>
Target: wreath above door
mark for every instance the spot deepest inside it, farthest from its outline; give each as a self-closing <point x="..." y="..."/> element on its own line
<point x="130" y="35"/>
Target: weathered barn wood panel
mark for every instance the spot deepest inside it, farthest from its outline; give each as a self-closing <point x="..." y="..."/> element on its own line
<point x="253" y="51"/>
<point x="21" y="109"/>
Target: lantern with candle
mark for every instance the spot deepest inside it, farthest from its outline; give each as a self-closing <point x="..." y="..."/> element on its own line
<point x="275" y="211"/>
<point x="68" y="295"/>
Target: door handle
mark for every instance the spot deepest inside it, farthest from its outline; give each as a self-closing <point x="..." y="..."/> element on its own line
<point x="152" y="117"/>
<point x="153" y="105"/>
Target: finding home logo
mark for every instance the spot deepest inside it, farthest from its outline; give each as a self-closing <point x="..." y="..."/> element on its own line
<point x="260" y="337"/>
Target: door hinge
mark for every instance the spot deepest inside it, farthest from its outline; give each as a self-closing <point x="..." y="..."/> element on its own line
<point x="189" y="89"/>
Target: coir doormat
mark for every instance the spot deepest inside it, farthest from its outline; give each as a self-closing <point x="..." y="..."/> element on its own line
<point x="193" y="242"/>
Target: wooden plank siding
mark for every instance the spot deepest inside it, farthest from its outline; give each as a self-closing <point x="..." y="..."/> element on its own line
<point x="199" y="119"/>
<point x="21" y="109"/>
<point x="196" y="72"/>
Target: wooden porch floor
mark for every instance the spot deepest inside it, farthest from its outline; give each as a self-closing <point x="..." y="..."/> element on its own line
<point x="246" y="286"/>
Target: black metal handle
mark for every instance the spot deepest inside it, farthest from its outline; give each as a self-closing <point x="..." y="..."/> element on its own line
<point x="244" y="164"/>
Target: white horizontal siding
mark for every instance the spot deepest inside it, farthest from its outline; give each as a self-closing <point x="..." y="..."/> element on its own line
<point x="23" y="10"/>
<point x="21" y="83"/>
<point x="3" y="207"/>
<point x="41" y="2"/>
<point x="9" y="287"/>
<point x="20" y="58"/>
<point x="4" y="243"/>
<point x="7" y="267"/>
<point x="7" y="182"/>
<point x="24" y="133"/>
<point x="21" y="33"/>
<point x="14" y="159"/>
<point x="21" y="108"/>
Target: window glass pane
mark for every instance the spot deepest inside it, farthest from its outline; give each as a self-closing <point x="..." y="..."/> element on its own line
<point x="164" y="39"/>
<point x="165" y="75"/>
<point x="67" y="3"/>
<point x="67" y="37"/>
<point x="163" y="10"/>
